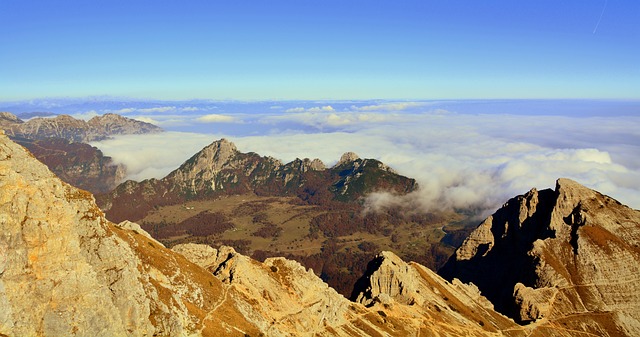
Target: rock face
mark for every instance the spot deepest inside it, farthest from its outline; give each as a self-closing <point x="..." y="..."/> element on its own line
<point x="75" y="130"/>
<point x="287" y="296"/>
<point x="67" y="271"/>
<point x="220" y="169"/>
<point x="567" y="256"/>
<point x="78" y="164"/>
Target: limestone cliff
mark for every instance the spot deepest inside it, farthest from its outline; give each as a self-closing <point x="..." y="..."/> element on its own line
<point x="567" y="256"/>
<point x="287" y="297"/>
<point x="65" y="270"/>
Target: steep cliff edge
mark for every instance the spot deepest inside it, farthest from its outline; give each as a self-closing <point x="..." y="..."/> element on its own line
<point x="568" y="256"/>
<point x="78" y="164"/>
<point x="65" y="270"/>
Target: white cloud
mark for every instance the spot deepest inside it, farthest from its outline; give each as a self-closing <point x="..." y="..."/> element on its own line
<point x="459" y="160"/>
<point x="153" y="155"/>
<point x="395" y="106"/>
<point x="216" y="118"/>
<point x="326" y="108"/>
<point x="157" y="109"/>
<point x="160" y="109"/>
<point x="147" y="120"/>
<point x="123" y="111"/>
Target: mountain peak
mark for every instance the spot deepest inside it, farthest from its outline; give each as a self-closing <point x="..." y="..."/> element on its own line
<point x="9" y="117"/>
<point x="347" y="157"/>
<point x="216" y="154"/>
<point x="544" y="253"/>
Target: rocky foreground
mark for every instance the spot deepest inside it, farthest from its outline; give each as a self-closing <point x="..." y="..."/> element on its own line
<point x="67" y="271"/>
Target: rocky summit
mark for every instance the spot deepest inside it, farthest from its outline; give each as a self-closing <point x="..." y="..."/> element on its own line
<point x="567" y="257"/>
<point x="220" y="169"/>
<point x="65" y="270"/>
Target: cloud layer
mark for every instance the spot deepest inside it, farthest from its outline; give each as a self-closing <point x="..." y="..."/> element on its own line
<point x="461" y="161"/>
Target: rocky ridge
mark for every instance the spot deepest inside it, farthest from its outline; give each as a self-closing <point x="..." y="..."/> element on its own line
<point x="220" y="169"/>
<point x="75" y="130"/>
<point x="66" y="270"/>
<point x="567" y="256"/>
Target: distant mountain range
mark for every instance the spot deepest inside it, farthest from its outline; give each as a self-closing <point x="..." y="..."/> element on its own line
<point x="72" y="129"/>
<point x="59" y="142"/>
<point x="566" y="260"/>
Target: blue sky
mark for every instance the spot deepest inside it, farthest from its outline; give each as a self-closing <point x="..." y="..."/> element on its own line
<point x="320" y="49"/>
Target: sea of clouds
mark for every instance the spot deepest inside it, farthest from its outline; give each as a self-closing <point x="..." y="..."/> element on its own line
<point x="469" y="155"/>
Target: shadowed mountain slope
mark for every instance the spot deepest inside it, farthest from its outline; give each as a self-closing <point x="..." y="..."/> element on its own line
<point x="567" y="256"/>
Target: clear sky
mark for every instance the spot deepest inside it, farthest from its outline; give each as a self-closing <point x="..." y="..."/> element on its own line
<point x="303" y="49"/>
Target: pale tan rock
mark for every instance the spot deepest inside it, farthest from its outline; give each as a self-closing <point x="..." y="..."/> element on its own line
<point x="65" y="270"/>
<point x="534" y="304"/>
<point x="346" y="158"/>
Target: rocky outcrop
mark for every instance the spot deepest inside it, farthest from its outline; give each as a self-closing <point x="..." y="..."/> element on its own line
<point x="391" y="284"/>
<point x="75" y="130"/>
<point x="296" y="298"/>
<point x="8" y="119"/>
<point x="220" y="169"/>
<point x="78" y="164"/>
<point x="65" y="270"/>
<point x="566" y="256"/>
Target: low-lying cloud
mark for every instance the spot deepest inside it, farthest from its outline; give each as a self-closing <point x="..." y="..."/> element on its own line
<point x="326" y="108"/>
<point x="461" y="161"/>
<point x="216" y="118"/>
<point x="153" y="155"/>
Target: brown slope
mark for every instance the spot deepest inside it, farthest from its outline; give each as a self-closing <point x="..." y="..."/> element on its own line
<point x="66" y="270"/>
<point x="78" y="164"/>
